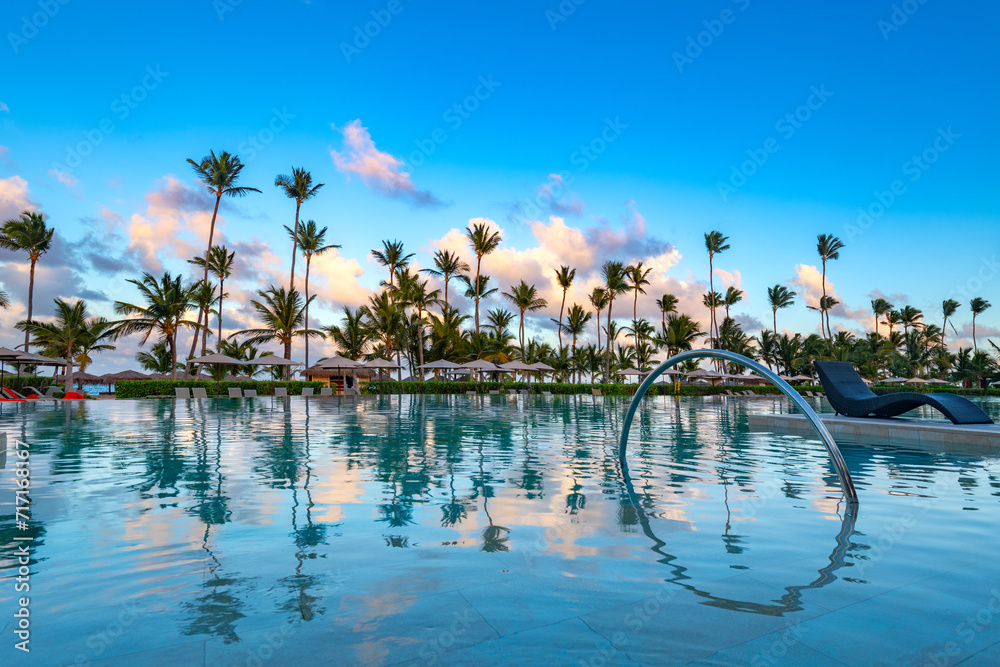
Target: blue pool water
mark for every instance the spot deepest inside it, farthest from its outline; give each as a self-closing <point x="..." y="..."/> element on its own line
<point x="488" y="529"/>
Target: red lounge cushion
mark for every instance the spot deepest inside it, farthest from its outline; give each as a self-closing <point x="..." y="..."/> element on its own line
<point x="73" y="394"/>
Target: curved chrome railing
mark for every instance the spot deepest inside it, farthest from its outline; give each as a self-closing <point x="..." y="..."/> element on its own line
<point x="831" y="447"/>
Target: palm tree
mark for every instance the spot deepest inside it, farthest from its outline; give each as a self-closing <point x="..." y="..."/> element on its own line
<point x="779" y="296"/>
<point x="298" y="186"/>
<point x="599" y="300"/>
<point x="949" y="307"/>
<point x="350" y="337"/>
<point x="203" y="298"/>
<point x="483" y="242"/>
<point x="733" y="296"/>
<point x="679" y="334"/>
<point x="312" y="242"/>
<point x="525" y="298"/>
<point x="614" y="284"/>
<point x="157" y="360"/>
<point x="385" y="319"/>
<point x="166" y="302"/>
<point x="828" y="247"/>
<point x="392" y="256"/>
<point x="564" y="276"/>
<point x="880" y="307"/>
<point x="715" y="243"/>
<point x="636" y="274"/>
<point x="892" y="320"/>
<point x="978" y="306"/>
<point x="712" y="300"/>
<point x="220" y="264"/>
<point x="219" y="174"/>
<point x="30" y="234"/>
<point x="910" y="317"/>
<point x="283" y="314"/>
<point x="479" y="289"/>
<point x="667" y="304"/>
<point x="71" y="337"/>
<point x="576" y="324"/>
<point x="446" y="265"/>
<point x="418" y="296"/>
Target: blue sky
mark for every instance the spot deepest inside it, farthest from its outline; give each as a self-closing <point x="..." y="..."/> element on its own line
<point x="684" y="107"/>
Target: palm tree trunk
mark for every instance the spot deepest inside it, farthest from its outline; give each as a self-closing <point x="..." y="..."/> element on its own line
<point x="420" y="334"/>
<point x="208" y="253"/>
<point x="974" y="347"/>
<point x="173" y="350"/>
<point x="69" y="372"/>
<point x="308" y="262"/>
<point x="822" y="304"/>
<point x="520" y="335"/>
<point x="774" y="312"/>
<point x="876" y="322"/>
<point x="31" y="298"/>
<point x="607" y="362"/>
<point x="479" y="261"/>
<point x="711" y="290"/>
<point x="295" y="250"/>
<point x="560" y="317"/>
<point x="288" y="355"/>
<point x="204" y="332"/>
<point x="598" y="328"/>
<point x="222" y="285"/>
<point x="447" y="277"/>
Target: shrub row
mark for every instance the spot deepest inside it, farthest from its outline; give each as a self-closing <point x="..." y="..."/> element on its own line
<point x="437" y="387"/>
<point x="144" y="388"/>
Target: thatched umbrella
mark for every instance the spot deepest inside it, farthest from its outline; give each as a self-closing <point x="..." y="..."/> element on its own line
<point x="111" y="378"/>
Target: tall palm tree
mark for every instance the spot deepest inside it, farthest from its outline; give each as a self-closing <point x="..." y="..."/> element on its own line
<point x="712" y="301"/>
<point x="978" y="306"/>
<point x="525" y="298"/>
<point x="949" y="307"/>
<point x="385" y="319"/>
<point x="614" y="284"/>
<point x="828" y="246"/>
<point x="165" y="303"/>
<point x="30" y="234"/>
<point x="446" y="265"/>
<point x="283" y="314"/>
<point x="636" y="275"/>
<point x="576" y="324"/>
<point x="910" y="317"/>
<point x="479" y="290"/>
<point x="779" y="296"/>
<point x="715" y="243"/>
<point x="732" y="297"/>
<point x="880" y="307"/>
<point x="220" y="264"/>
<point x="351" y="336"/>
<point x="203" y="298"/>
<point x="417" y="295"/>
<point x="312" y="243"/>
<point x="157" y="360"/>
<point x="299" y="186"/>
<point x="483" y="242"/>
<point x="679" y="334"/>
<point x="393" y="256"/>
<point x="72" y="336"/>
<point x="219" y="174"/>
<point x="565" y="277"/>
<point x="667" y="304"/>
<point x="599" y="300"/>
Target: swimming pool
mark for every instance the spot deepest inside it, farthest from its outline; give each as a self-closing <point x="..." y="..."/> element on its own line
<point x="457" y="529"/>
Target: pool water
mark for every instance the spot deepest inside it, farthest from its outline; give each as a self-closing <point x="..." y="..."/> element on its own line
<point x="488" y="530"/>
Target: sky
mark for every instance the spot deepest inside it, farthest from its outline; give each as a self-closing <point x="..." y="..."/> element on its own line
<point x="583" y="131"/>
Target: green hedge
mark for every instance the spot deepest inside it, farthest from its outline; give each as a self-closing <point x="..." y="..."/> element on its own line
<point x="437" y="387"/>
<point x="144" y="388"/>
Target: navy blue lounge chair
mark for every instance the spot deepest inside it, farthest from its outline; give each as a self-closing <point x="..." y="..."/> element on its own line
<point x="849" y="396"/>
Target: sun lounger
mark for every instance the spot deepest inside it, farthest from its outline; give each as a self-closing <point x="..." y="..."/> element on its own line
<point x="29" y="391"/>
<point x="52" y="390"/>
<point x="10" y="393"/>
<point x="850" y="396"/>
<point x="308" y="391"/>
<point x="470" y="393"/>
<point x="494" y="391"/>
<point x="235" y="392"/>
<point x="281" y="392"/>
<point x="250" y="393"/>
<point x="351" y="391"/>
<point x="326" y="391"/>
<point x="182" y="392"/>
<point x="524" y="392"/>
<point x="199" y="392"/>
<point x="546" y="393"/>
<point x="596" y="392"/>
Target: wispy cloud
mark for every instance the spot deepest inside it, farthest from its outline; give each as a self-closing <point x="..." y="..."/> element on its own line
<point x="70" y="181"/>
<point x="4" y="107"/>
<point x="377" y="169"/>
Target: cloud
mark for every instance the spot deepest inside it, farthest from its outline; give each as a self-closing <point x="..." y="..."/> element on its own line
<point x="809" y="281"/>
<point x="4" y="107"/>
<point x="378" y="170"/>
<point x="4" y="157"/>
<point x="627" y="240"/>
<point x="70" y="181"/>
<point x="550" y="198"/>
<point x="14" y="197"/>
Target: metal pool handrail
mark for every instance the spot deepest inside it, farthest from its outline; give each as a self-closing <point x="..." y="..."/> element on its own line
<point x="831" y="447"/>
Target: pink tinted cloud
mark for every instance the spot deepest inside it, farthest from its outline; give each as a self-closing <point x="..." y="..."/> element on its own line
<point x="378" y="170"/>
<point x="15" y="197"/>
<point x="809" y="280"/>
<point x="70" y="181"/>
